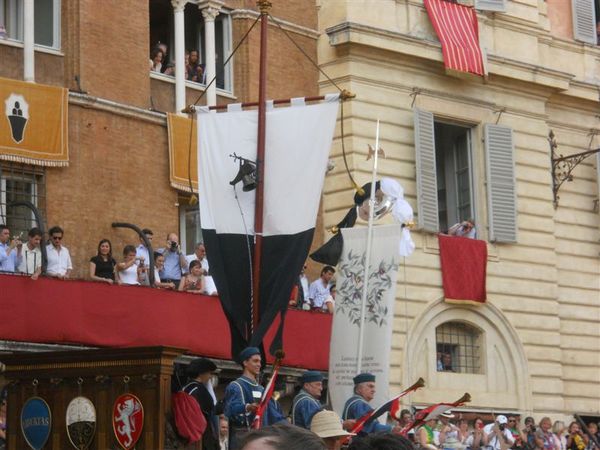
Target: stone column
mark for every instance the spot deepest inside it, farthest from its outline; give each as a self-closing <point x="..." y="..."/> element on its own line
<point x="28" y="42"/>
<point x="210" y="10"/>
<point x="180" y="70"/>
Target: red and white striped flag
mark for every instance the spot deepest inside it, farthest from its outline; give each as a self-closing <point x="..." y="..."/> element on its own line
<point x="458" y="31"/>
<point x="433" y="412"/>
<point x="265" y="399"/>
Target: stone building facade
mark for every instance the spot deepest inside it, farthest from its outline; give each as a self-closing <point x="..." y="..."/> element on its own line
<point x="533" y="348"/>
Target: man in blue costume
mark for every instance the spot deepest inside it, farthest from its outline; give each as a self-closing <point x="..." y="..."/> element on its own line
<point x="242" y="397"/>
<point x="358" y="405"/>
<point x="306" y="404"/>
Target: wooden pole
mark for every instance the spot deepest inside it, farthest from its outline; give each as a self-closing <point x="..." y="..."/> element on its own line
<point x="264" y="7"/>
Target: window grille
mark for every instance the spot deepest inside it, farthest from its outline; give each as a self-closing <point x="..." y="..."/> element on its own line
<point x="458" y="348"/>
<point x="20" y="182"/>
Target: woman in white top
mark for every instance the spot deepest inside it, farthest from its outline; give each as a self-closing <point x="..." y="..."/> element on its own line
<point x="128" y="272"/>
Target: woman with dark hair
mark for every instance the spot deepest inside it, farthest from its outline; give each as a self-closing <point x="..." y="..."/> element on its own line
<point x="128" y="272"/>
<point x="194" y="281"/>
<point x="102" y="266"/>
<point x="156" y="59"/>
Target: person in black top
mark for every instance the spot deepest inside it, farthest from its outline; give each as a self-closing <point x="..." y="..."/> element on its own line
<point x="199" y="374"/>
<point x="102" y="266"/>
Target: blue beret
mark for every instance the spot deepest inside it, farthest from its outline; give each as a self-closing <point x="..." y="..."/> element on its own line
<point x="311" y="375"/>
<point x="363" y="378"/>
<point x="247" y="353"/>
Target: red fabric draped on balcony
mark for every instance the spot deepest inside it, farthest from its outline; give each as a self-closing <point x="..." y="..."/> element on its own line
<point x="96" y="314"/>
<point x="457" y="29"/>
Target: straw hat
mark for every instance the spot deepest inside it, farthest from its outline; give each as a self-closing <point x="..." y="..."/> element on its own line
<point x="327" y="424"/>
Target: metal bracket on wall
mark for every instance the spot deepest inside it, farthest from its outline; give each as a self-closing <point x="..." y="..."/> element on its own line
<point x="562" y="166"/>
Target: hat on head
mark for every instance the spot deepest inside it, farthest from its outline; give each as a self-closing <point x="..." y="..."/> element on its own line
<point x="448" y="414"/>
<point x="311" y="375"/>
<point x="501" y="419"/>
<point x="247" y="353"/>
<point x="199" y="366"/>
<point x="363" y="378"/>
<point x="327" y="424"/>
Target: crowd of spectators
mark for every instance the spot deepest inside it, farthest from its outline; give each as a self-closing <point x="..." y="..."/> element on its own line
<point x="161" y="63"/>
<point x="505" y="432"/>
<point x="172" y="268"/>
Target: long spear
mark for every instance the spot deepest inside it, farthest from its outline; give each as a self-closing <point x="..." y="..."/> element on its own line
<point x="365" y="291"/>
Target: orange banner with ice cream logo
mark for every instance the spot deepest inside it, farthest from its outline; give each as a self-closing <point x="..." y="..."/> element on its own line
<point x="34" y="127"/>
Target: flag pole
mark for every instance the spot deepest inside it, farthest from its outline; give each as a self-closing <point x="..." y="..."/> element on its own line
<point x="361" y="333"/>
<point x="264" y="7"/>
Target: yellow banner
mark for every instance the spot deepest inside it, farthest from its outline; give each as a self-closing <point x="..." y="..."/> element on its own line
<point x="34" y="128"/>
<point x="183" y="154"/>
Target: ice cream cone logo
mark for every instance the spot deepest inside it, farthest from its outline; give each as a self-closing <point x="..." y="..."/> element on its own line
<point x="17" y="114"/>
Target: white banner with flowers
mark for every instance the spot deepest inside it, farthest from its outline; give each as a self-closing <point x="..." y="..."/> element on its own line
<point x="379" y="312"/>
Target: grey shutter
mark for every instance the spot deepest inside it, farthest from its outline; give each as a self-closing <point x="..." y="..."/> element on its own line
<point x="426" y="177"/>
<point x="584" y="21"/>
<point x="501" y="186"/>
<point x="491" y="5"/>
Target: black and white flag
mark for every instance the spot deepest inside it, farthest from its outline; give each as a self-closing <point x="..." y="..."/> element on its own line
<point x="298" y="140"/>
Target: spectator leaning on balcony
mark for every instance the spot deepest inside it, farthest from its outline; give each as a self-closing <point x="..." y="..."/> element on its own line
<point x="128" y="272"/>
<point x="159" y="263"/>
<point x="175" y="263"/>
<point x="194" y="69"/>
<point x="9" y="251"/>
<point x="576" y="439"/>
<point x="466" y="228"/>
<point x="194" y="281"/>
<point x="141" y="251"/>
<point x="319" y="289"/>
<point x="31" y="255"/>
<point x="200" y="254"/>
<point x="102" y="266"/>
<point x="156" y="58"/>
<point x="59" y="259"/>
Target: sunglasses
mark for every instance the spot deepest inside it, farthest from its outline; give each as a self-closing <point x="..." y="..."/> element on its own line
<point x="57" y="238"/>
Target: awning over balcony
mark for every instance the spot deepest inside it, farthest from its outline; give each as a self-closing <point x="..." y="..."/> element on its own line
<point x="34" y="129"/>
<point x="97" y="314"/>
<point x="183" y="159"/>
<point x="456" y="26"/>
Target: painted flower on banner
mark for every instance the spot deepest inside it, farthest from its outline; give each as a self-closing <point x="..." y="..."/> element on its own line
<point x="350" y="291"/>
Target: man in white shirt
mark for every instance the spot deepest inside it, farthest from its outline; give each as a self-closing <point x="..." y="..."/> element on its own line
<point x="59" y="259"/>
<point x="141" y="251"/>
<point x="497" y="435"/>
<point x="31" y="255"/>
<point x="319" y="289"/>
<point x="304" y="285"/>
<point x="200" y="254"/>
<point x="9" y="254"/>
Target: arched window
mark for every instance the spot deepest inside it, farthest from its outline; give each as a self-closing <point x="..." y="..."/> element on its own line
<point x="458" y="347"/>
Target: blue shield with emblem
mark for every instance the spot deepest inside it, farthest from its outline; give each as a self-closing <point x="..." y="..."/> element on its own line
<point x="36" y="422"/>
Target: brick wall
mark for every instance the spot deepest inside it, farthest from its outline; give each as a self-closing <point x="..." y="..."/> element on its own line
<point x="118" y="171"/>
<point x="113" y="50"/>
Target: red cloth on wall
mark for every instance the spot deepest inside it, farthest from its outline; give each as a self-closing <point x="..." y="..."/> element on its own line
<point x="457" y="28"/>
<point x="464" y="266"/>
<point x="98" y="314"/>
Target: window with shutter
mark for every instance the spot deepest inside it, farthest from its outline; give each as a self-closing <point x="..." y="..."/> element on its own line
<point x="444" y="173"/>
<point x="491" y="5"/>
<point x="584" y="21"/>
<point x="501" y="187"/>
<point x="426" y="171"/>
